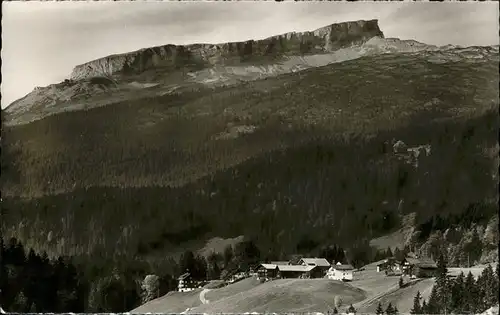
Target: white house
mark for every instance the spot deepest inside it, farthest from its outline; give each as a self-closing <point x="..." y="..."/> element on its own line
<point x="340" y="272"/>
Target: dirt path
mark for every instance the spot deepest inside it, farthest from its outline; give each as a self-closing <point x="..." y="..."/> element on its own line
<point x="202" y="296"/>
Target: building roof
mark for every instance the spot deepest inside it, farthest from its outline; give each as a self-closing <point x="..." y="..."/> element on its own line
<point x="343" y="267"/>
<point x="320" y="262"/>
<point x="269" y="266"/>
<point x="427" y="265"/>
<point x="184" y="276"/>
<point x="280" y="262"/>
<point x="380" y="262"/>
<point x="295" y="268"/>
<point x="412" y="261"/>
<point x="421" y="262"/>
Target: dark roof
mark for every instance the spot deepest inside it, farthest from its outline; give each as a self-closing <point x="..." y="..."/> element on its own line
<point x="343" y="267"/>
<point x="380" y="262"/>
<point x="426" y="265"/>
<point x="184" y="276"/>
<point x="280" y="263"/>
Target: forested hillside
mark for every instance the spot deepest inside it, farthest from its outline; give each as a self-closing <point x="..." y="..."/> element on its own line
<point x="294" y="163"/>
<point x="306" y="194"/>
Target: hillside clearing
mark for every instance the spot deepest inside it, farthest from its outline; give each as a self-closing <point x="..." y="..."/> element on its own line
<point x="235" y="288"/>
<point x="172" y="302"/>
<point x="286" y="295"/>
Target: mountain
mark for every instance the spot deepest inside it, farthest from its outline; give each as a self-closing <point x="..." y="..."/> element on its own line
<point x="292" y="141"/>
<point x="164" y="69"/>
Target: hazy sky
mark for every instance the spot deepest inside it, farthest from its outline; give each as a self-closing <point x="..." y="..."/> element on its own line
<point x="43" y="41"/>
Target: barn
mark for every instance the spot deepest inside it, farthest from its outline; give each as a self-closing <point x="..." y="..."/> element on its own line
<point x="299" y="271"/>
<point x="420" y="268"/>
<point x="425" y="270"/>
<point x="321" y="263"/>
<point x="267" y="271"/>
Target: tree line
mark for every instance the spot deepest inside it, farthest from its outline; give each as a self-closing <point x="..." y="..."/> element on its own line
<point x="460" y="295"/>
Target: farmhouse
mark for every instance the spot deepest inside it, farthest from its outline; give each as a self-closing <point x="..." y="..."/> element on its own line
<point x="321" y="263"/>
<point x="340" y="272"/>
<point x="186" y="283"/>
<point x="421" y="268"/>
<point x="425" y="270"/>
<point x="389" y="266"/>
<point x="299" y="271"/>
<point x="267" y="271"/>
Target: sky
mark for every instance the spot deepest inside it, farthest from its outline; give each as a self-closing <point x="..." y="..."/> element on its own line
<point x="43" y="41"/>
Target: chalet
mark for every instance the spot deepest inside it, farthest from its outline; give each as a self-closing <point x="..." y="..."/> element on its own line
<point x="389" y="266"/>
<point x="186" y="283"/>
<point x="267" y="271"/>
<point x="321" y="263"/>
<point x="340" y="272"/>
<point x="425" y="270"/>
<point x="417" y="267"/>
<point x="299" y="271"/>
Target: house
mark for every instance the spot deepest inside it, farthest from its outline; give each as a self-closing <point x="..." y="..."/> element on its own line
<point x="186" y="283"/>
<point x="299" y="271"/>
<point x="267" y="271"/>
<point x="389" y="266"/>
<point x="321" y="263"/>
<point x="343" y="272"/>
<point x="425" y="270"/>
<point x="418" y="267"/>
<point x="407" y="265"/>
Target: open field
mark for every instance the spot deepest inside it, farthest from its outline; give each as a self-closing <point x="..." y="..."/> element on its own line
<point x="235" y="288"/>
<point x="173" y="302"/>
<point x="300" y="295"/>
<point x="285" y="295"/>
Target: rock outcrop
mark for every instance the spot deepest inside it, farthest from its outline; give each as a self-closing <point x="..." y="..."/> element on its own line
<point x="196" y="56"/>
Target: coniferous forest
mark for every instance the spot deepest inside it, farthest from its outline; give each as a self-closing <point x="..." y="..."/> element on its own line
<point x="102" y="209"/>
<point x="463" y="294"/>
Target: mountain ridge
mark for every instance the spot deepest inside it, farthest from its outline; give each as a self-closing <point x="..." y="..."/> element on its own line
<point x="323" y="39"/>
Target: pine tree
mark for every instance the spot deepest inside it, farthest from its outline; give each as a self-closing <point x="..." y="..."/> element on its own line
<point x="335" y="311"/>
<point x="470" y="294"/>
<point x="388" y="252"/>
<point x="228" y="255"/>
<point x="433" y="306"/>
<point x="417" y="308"/>
<point x="497" y="285"/>
<point x="379" y="310"/>
<point x="390" y="310"/>
<point x="401" y="283"/>
<point x="442" y="285"/>
<point x="351" y="310"/>
<point x="490" y="287"/>
<point x="424" y="308"/>
<point x="457" y="294"/>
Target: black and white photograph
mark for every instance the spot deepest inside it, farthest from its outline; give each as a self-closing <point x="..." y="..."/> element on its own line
<point x="249" y="157"/>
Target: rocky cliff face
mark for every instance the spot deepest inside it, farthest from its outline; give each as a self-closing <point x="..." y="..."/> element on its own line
<point x="322" y="40"/>
<point x="158" y="71"/>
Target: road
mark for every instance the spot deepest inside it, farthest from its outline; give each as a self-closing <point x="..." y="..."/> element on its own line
<point x="202" y="296"/>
